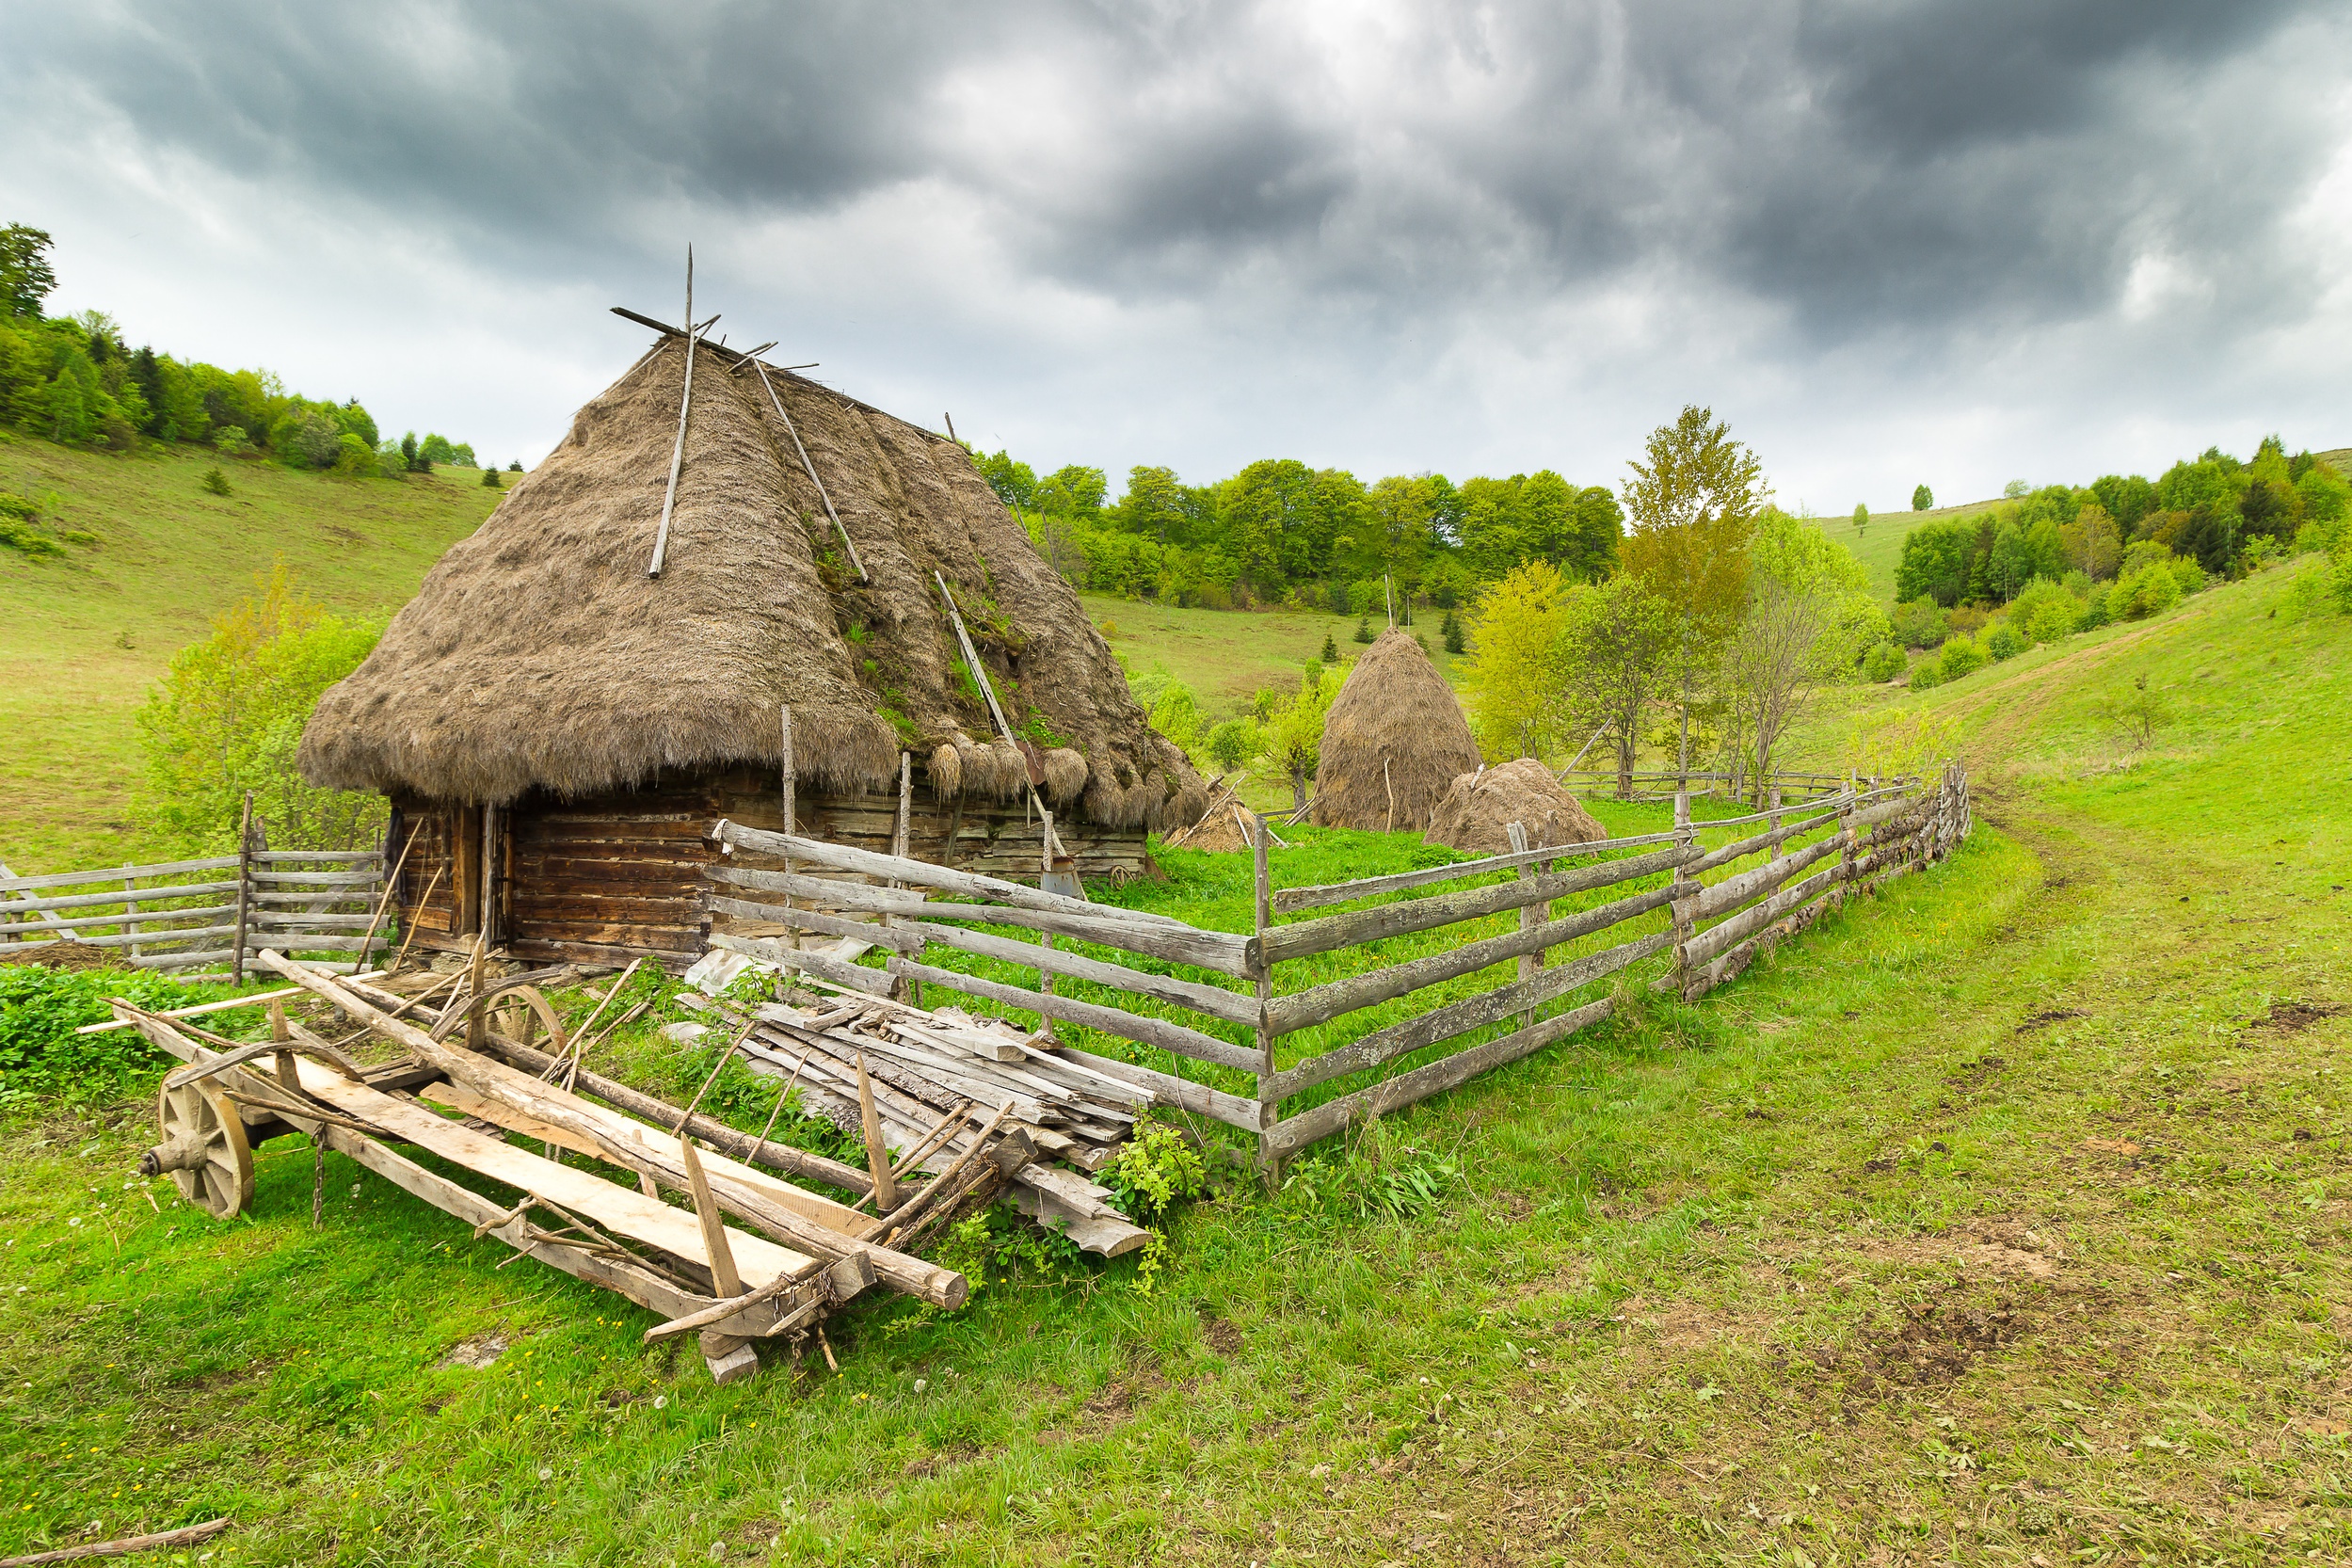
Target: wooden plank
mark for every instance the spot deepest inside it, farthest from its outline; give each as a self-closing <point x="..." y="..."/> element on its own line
<point x="320" y="879"/>
<point x="1405" y="1089"/>
<point x="1289" y="900"/>
<point x="873" y="982"/>
<point x="1444" y="1023"/>
<point x="1223" y="1005"/>
<point x="1109" y="1021"/>
<point x="915" y="873"/>
<point x="146" y="896"/>
<point x="1105" y="925"/>
<point x="1168" y="1089"/>
<point x="1305" y="1008"/>
<point x="897" y="939"/>
<point x="1724" y="854"/>
<point x="147" y="919"/>
<point x="115" y="873"/>
<point x="184" y="935"/>
<point x="324" y="856"/>
<point x="1397" y="920"/>
<point x="1701" y="948"/>
<point x="1729" y="894"/>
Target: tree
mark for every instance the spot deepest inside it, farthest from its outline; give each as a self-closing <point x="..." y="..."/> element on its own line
<point x="25" y="275"/>
<point x="2092" y="543"/>
<point x="1615" y="657"/>
<point x="2017" y="490"/>
<point x="1331" y="651"/>
<point x="1794" y="632"/>
<point x="1364" y="628"/>
<point x="411" y="456"/>
<point x="1451" y="628"/>
<point x="1015" y="484"/>
<point x="515" y="467"/>
<point x="1514" y="682"/>
<point x="1233" y="742"/>
<point x="1294" y="730"/>
<point x="1922" y="499"/>
<point x="1862" y="517"/>
<point x="489" y="478"/>
<point x="229" y="717"/>
<point x="1692" y="506"/>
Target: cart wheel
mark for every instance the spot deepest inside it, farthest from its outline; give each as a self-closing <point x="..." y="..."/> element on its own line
<point x="205" y="1148"/>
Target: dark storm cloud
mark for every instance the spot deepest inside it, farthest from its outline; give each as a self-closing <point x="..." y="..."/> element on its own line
<point x="1869" y="167"/>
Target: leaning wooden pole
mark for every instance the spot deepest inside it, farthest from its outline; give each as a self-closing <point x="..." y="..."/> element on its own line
<point x="244" y="886"/>
<point x="677" y="452"/>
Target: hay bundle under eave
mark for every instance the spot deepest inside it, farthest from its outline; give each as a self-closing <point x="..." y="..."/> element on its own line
<point x="539" y="655"/>
<point x="1393" y="742"/>
<point x="1475" y="817"/>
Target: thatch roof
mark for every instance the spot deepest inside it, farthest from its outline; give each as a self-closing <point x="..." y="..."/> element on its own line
<point x="539" y="655"/>
<point x="1478" y="808"/>
<point x="1395" y="710"/>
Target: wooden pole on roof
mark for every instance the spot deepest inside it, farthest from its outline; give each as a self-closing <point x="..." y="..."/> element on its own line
<point x="789" y="429"/>
<point x="791" y="804"/>
<point x="677" y="452"/>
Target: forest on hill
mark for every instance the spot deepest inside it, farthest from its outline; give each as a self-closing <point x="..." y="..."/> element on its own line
<point x="75" y="379"/>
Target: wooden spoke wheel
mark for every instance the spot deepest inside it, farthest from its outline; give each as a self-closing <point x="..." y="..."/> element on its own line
<point x="205" y="1150"/>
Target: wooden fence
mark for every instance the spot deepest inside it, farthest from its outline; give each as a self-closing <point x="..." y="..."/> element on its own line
<point x="1788" y="789"/>
<point x="1807" y="861"/>
<point x="209" y="917"/>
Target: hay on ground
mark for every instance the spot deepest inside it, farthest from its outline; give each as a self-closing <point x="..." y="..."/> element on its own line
<point x="1478" y="808"/>
<point x="538" y="655"/>
<point x="1396" y="740"/>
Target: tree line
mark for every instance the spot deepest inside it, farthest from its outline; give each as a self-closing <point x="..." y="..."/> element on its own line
<point x="1281" y="533"/>
<point x="74" y="379"/>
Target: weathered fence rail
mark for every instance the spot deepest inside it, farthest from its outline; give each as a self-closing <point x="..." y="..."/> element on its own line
<point x="1793" y="788"/>
<point x="203" y="918"/>
<point x="1656" y="904"/>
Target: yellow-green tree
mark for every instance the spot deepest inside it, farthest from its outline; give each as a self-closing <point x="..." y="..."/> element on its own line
<point x="1691" y="508"/>
<point x="229" y="717"/>
<point x="1293" y="731"/>
<point x="1513" y="675"/>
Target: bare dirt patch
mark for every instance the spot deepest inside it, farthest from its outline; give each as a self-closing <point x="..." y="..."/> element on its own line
<point x="2294" y="1017"/>
<point x="477" y="1351"/>
<point x="1936" y="1344"/>
<point x="1222" y="1334"/>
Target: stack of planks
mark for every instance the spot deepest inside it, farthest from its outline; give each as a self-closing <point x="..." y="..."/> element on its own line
<point x="927" y="1069"/>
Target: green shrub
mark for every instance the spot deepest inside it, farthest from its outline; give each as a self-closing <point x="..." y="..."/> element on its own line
<point x="2045" y="611"/>
<point x="1883" y="662"/>
<point x="2150" y="590"/>
<point x="489" y="478"/>
<point x="1233" y="742"/>
<point x="2004" y="641"/>
<point x="1926" y="674"/>
<point x="1921" y="623"/>
<point x="40" y="1010"/>
<point x="1961" y="656"/>
<point x="1157" y="1169"/>
<point x="217" y="481"/>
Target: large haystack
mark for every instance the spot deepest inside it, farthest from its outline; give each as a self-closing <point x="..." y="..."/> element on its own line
<point x="1396" y="739"/>
<point x="1475" y="814"/>
<point x="540" y="655"/>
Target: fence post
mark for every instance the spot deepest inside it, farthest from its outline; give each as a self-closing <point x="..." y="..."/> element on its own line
<point x="1686" y="905"/>
<point x="1530" y="917"/>
<point x="1262" y="916"/>
<point x="244" y="886"/>
<point x="131" y="908"/>
<point x="1045" y="938"/>
<point x="1774" y="853"/>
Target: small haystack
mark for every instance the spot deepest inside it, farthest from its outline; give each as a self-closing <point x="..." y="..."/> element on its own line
<point x="1395" y="741"/>
<point x="1223" y="828"/>
<point x="1475" y="814"/>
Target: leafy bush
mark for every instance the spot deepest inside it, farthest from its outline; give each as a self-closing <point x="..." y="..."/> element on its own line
<point x="1233" y="742"/>
<point x="2046" y="610"/>
<point x="1922" y="499"/>
<point x="230" y="715"/>
<point x="1883" y="662"/>
<point x="40" y="1010"/>
<point x="217" y="481"/>
<point x="1961" y="656"/>
<point x="2004" y="641"/>
<point x="1926" y="675"/>
<point x="2150" y="589"/>
<point x="1157" y="1169"/>
<point x="1921" y="623"/>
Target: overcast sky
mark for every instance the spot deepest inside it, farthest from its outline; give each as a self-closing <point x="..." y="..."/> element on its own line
<point x="1958" y="241"/>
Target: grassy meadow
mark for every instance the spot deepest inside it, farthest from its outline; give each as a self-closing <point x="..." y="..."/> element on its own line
<point x="2003" y="1219"/>
<point x="83" y="635"/>
<point x="1879" y="547"/>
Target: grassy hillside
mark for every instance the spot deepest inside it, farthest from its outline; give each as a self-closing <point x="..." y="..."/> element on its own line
<point x="1879" y="547"/>
<point x="2008" y="1216"/>
<point x="1225" y="655"/>
<point x="82" y="636"/>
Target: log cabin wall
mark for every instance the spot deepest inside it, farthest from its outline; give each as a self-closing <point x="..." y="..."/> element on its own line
<point x="620" y="875"/>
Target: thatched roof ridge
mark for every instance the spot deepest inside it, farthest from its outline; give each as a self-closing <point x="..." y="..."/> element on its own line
<point x="539" y="655"/>
<point x="1393" y="742"/>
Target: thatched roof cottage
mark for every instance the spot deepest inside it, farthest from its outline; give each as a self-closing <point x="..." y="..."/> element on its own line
<point x="556" y="728"/>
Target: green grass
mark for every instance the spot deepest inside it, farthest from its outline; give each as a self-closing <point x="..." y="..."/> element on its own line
<point x="1226" y="655"/>
<point x="2004" y="1217"/>
<point x="83" y="635"/>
